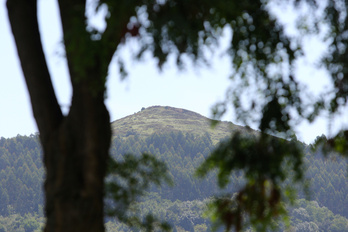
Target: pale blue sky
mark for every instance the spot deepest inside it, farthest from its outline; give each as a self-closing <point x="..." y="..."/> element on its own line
<point x="193" y="89"/>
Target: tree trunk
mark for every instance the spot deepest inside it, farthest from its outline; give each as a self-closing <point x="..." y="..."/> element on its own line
<point x="75" y="160"/>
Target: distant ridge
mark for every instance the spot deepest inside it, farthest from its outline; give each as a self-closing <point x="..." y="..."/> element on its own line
<point x="165" y="119"/>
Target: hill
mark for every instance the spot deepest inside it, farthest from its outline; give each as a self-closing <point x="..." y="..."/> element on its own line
<point x="182" y="139"/>
<point x="165" y="119"/>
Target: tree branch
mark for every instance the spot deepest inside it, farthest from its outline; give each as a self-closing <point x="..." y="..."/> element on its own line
<point x="111" y="38"/>
<point x="114" y="34"/>
<point x="23" y="19"/>
<point x="78" y="46"/>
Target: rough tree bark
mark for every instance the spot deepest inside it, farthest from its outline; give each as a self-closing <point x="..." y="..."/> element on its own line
<point x="75" y="146"/>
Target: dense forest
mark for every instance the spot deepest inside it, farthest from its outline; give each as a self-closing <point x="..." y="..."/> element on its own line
<point x="182" y="205"/>
<point x="21" y="175"/>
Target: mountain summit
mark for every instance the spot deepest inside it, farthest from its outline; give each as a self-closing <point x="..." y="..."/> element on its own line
<point x="165" y="119"/>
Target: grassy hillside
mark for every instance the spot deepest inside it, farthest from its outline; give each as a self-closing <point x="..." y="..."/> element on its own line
<point x="165" y="119"/>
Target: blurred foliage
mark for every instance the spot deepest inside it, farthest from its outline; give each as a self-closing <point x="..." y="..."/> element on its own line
<point x="265" y="90"/>
<point x="127" y="182"/>
<point x="266" y="163"/>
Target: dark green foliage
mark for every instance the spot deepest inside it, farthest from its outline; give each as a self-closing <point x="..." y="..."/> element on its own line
<point x="21" y="174"/>
<point x="266" y="162"/>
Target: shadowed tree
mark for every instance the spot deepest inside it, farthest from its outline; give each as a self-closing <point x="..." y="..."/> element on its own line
<point x="76" y="145"/>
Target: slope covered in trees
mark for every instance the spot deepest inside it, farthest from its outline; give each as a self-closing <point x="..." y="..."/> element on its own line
<point x="21" y="175"/>
<point x="182" y="139"/>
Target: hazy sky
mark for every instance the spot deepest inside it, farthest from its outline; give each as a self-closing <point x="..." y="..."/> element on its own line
<point x="193" y="89"/>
